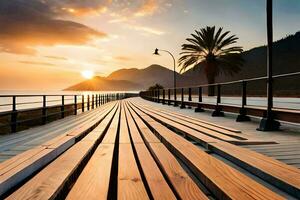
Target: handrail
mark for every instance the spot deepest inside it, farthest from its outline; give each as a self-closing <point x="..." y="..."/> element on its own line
<point x="159" y="95"/>
<point x="237" y="81"/>
<point x="48" y="108"/>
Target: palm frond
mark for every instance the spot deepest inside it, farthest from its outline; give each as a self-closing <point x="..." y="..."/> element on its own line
<point x="211" y="47"/>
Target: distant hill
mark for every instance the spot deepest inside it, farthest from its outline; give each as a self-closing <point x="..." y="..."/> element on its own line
<point x="103" y="84"/>
<point x="286" y="60"/>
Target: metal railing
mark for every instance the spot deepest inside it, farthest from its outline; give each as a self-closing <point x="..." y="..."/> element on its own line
<point x="19" y="112"/>
<point x="243" y="109"/>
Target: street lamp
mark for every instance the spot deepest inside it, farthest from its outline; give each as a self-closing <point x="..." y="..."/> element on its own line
<point x="174" y="65"/>
<point x="268" y="123"/>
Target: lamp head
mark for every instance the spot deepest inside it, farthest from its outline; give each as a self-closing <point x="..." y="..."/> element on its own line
<point x="156" y="52"/>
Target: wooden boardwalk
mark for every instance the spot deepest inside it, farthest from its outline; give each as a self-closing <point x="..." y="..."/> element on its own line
<point x="130" y="149"/>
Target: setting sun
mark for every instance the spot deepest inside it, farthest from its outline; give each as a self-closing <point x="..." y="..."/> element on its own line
<point x="87" y="74"/>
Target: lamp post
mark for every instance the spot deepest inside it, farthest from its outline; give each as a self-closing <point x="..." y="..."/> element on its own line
<point x="268" y="123"/>
<point x="174" y="65"/>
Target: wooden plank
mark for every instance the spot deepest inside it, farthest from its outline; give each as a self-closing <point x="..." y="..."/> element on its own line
<point x="97" y="133"/>
<point x="183" y="184"/>
<point x="199" y="137"/>
<point x="130" y="184"/>
<point x="110" y="136"/>
<point x="157" y="184"/>
<point x="275" y="172"/>
<point x="200" y="121"/>
<point x="134" y="132"/>
<point x="124" y="136"/>
<point x="93" y="182"/>
<point x="53" y="188"/>
<point x="222" y="180"/>
<point x="148" y="135"/>
<point x="48" y="183"/>
<point x="25" y="169"/>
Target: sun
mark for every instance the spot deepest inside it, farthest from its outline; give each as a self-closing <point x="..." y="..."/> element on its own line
<point x="87" y="74"/>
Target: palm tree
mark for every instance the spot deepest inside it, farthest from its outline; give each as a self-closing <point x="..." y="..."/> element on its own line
<point x="213" y="51"/>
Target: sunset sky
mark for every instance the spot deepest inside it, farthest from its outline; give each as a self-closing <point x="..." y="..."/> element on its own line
<point x="46" y="44"/>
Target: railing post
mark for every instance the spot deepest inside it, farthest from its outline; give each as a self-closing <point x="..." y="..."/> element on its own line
<point x="14" y="115"/>
<point x="44" y="110"/>
<point x="268" y="123"/>
<point x="88" y="102"/>
<point x="199" y="108"/>
<point x="158" y="96"/>
<point x="163" y="101"/>
<point x="218" y="111"/>
<point x="182" y="98"/>
<point x="93" y="101"/>
<point x="190" y="97"/>
<point x="243" y="113"/>
<point x="96" y="100"/>
<point x="169" y="97"/>
<point x="175" y="97"/>
<point x="62" y="110"/>
<point x="75" y="104"/>
<point x="99" y="99"/>
<point x="82" y="103"/>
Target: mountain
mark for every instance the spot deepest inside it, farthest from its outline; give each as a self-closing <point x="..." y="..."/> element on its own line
<point x="145" y="77"/>
<point x="286" y="59"/>
<point x="103" y="84"/>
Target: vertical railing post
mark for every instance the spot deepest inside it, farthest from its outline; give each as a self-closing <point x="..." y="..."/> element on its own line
<point x="158" y="94"/>
<point x="243" y="113"/>
<point x="169" y="96"/>
<point x="190" y="97"/>
<point x="88" y="102"/>
<point x="218" y="111"/>
<point x="44" y="110"/>
<point x="99" y="99"/>
<point x="163" y="100"/>
<point x="93" y="102"/>
<point x="199" y="108"/>
<point x="96" y="100"/>
<point x="268" y="123"/>
<point x="182" y="98"/>
<point x="218" y="94"/>
<point x="62" y="110"/>
<point x="75" y="104"/>
<point x="175" y="97"/>
<point x="82" y="103"/>
<point x="14" y="115"/>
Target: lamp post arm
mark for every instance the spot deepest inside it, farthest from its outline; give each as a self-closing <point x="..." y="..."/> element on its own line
<point x="174" y="62"/>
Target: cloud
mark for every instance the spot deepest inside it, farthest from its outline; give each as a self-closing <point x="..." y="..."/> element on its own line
<point x="26" y="24"/>
<point x="148" y="8"/>
<point x="56" y="57"/>
<point x="36" y="63"/>
<point x="79" y="7"/>
<point x="146" y="29"/>
<point x="122" y="58"/>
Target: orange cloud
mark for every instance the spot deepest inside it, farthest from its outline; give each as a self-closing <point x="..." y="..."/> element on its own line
<point x="36" y="63"/>
<point x="25" y="26"/>
<point x="122" y="58"/>
<point x="148" y="8"/>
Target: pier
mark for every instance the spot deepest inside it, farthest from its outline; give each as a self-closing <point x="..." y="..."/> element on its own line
<point x="133" y="148"/>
